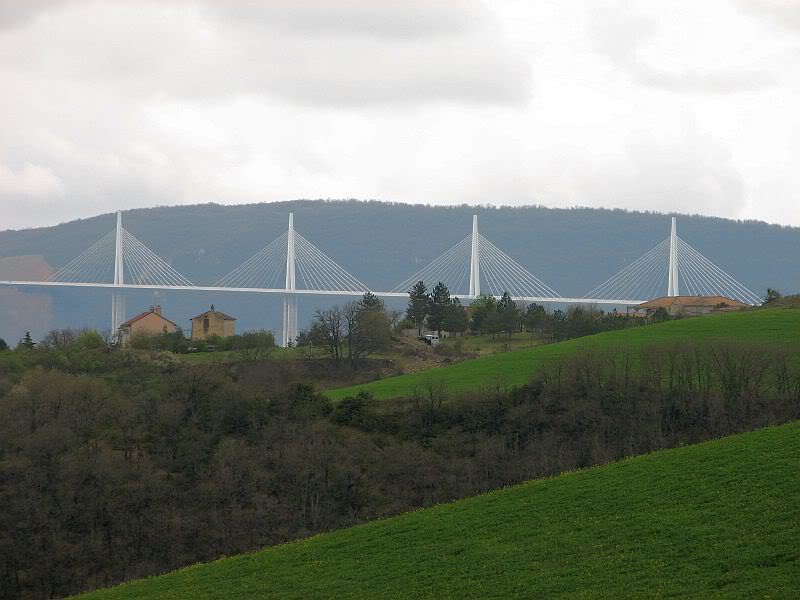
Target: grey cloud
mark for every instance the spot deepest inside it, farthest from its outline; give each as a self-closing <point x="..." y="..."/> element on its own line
<point x="715" y="82"/>
<point x="783" y="13"/>
<point x="29" y="180"/>
<point x="355" y="53"/>
<point x="690" y="174"/>
<point x="620" y="32"/>
<point x="140" y="103"/>
<point x="411" y="19"/>
<point x="686" y="171"/>
<point x="14" y="13"/>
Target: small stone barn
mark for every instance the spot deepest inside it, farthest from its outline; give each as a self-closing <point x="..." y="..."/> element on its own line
<point x="212" y="322"/>
<point x="150" y="322"/>
<point x="690" y="306"/>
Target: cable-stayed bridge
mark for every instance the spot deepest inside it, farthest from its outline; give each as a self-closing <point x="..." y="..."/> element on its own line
<point x="291" y="266"/>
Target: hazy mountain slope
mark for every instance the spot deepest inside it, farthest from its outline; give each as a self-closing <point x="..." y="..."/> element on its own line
<point x="382" y="244"/>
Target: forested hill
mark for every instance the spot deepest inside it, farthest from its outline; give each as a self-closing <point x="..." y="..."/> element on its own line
<point x="570" y="249"/>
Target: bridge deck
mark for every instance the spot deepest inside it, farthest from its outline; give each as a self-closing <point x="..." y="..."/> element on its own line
<point x="200" y="288"/>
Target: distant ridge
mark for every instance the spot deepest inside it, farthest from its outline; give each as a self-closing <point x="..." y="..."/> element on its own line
<point x="384" y="243"/>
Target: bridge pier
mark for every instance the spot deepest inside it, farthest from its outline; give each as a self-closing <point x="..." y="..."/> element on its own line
<point x="117" y="311"/>
<point x="289" y="320"/>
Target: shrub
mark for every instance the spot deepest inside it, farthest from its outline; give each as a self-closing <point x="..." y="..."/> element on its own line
<point x="90" y="340"/>
<point x="351" y="410"/>
<point x="172" y="342"/>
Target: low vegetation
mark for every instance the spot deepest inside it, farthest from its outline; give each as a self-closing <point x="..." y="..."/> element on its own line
<point x="250" y="344"/>
<point x="781" y="326"/>
<point x="714" y="519"/>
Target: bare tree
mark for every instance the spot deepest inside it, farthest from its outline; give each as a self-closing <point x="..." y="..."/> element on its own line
<point x="368" y="330"/>
<point x="328" y="331"/>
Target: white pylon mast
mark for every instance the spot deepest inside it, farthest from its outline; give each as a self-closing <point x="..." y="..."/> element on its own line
<point x="672" y="285"/>
<point x="474" y="262"/>
<point x="117" y="297"/>
<point x="290" y="300"/>
<point x="290" y="285"/>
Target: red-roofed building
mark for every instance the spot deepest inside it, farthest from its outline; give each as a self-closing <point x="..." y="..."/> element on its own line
<point x="688" y="306"/>
<point x="150" y="322"/>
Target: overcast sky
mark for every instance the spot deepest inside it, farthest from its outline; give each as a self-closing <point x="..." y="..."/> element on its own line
<point x="670" y="106"/>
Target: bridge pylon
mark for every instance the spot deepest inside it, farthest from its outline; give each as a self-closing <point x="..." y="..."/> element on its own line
<point x="672" y="283"/>
<point x="290" y="299"/>
<point x="118" y="296"/>
<point x="474" y="261"/>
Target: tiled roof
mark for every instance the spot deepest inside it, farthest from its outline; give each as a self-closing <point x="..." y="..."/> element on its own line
<point x="130" y="322"/>
<point x="215" y="312"/>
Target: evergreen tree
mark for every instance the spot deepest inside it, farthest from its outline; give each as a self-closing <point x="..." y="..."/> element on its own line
<point x="371" y="302"/>
<point x="455" y="319"/>
<point x="440" y="301"/>
<point x="491" y="323"/>
<point x="482" y="307"/>
<point x="534" y="318"/>
<point x="418" y="305"/>
<point x="27" y="343"/>
<point x="509" y="314"/>
<point x="559" y="326"/>
<point x="772" y="295"/>
<point x="3" y="345"/>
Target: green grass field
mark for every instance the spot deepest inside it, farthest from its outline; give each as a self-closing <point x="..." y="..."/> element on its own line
<point x="517" y="367"/>
<point x="717" y="519"/>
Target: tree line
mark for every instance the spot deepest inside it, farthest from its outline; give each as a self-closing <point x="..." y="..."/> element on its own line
<point x="351" y="333"/>
<point x="438" y="311"/>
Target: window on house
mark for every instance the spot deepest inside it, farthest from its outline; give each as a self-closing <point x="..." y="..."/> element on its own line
<point x="205" y="324"/>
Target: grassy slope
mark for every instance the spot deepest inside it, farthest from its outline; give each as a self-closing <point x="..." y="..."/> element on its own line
<point x="717" y="518"/>
<point x="515" y="368"/>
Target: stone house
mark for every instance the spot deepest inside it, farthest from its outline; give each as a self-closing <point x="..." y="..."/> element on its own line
<point x="213" y="323"/>
<point x="687" y="306"/>
<point x="150" y="322"/>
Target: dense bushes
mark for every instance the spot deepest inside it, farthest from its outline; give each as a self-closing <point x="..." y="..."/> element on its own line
<point x="102" y="481"/>
<point x="246" y="341"/>
<point x="578" y="321"/>
<point x="176" y="342"/>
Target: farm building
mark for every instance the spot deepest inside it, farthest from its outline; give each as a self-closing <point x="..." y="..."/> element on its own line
<point x="688" y="306"/>
<point x="150" y="322"/>
<point x="213" y="323"/>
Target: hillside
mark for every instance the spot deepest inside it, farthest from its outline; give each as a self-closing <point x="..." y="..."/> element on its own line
<point x="517" y="367"/>
<point x="717" y="518"/>
<point x="381" y="244"/>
